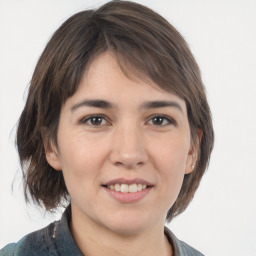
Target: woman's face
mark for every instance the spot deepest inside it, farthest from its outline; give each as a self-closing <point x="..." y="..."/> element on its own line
<point x="120" y="134"/>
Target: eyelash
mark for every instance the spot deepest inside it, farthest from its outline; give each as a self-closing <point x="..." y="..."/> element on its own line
<point x="88" y="120"/>
<point x="169" y="120"/>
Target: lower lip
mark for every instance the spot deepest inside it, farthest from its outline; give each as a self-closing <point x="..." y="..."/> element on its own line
<point x="128" y="197"/>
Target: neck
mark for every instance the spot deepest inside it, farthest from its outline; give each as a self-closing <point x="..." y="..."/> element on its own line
<point x="93" y="239"/>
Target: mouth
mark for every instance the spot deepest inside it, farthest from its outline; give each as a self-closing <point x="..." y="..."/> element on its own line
<point x="126" y="188"/>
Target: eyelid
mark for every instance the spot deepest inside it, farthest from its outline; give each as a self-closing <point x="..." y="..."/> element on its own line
<point x="170" y="120"/>
<point x="85" y="119"/>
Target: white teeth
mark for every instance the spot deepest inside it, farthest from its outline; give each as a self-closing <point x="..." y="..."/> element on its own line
<point x="139" y="187"/>
<point x="117" y="187"/>
<point x="124" y="188"/>
<point x="133" y="188"/>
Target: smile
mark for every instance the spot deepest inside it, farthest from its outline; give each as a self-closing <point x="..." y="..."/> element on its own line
<point x="125" y="188"/>
<point x="128" y="190"/>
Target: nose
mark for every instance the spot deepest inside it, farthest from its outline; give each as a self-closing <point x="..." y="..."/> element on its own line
<point x="128" y="148"/>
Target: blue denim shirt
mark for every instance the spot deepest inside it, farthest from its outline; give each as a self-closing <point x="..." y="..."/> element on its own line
<point x="56" y="239"/>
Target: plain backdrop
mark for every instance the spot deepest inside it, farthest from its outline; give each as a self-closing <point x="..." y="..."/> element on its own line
<point x="222" y="35"/>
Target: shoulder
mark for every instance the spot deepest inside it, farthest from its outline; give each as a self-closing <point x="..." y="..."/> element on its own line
<point x="8" y="250"/>
<point x="187" y="250"/>
<point x="55" y="239"/>
<point x="36" y="243"/>
<point x="181" y="248"/>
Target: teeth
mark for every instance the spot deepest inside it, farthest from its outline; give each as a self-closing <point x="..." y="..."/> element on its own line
<point x="124" y="188"/>
<point x="133" y="188"/>
<point x="117" y="187"/>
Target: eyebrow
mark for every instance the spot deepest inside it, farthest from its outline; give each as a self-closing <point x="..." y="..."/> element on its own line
<point x="161" y="104"/>
<point x="107" y="105"/>
<point x="93" y="103"/>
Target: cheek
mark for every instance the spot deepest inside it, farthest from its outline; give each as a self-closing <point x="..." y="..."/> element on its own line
<point x="171" y="155"/>
<point x="169" y="158"/>
<point x="80" y="160"/>
<point x="171" y="175"/>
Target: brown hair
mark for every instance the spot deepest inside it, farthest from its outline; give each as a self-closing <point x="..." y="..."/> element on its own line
<point x="143" y="43"/>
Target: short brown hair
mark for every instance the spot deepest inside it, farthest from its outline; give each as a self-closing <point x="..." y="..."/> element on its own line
<point x="143" y="43"/>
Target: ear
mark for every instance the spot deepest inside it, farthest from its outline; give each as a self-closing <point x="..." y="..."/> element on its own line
<point x="193" y="152"/>
<point x="51" y="152"/>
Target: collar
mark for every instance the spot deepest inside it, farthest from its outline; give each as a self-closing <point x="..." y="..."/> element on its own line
<point x="61" y="235"/>
<point x="65" y="244"/>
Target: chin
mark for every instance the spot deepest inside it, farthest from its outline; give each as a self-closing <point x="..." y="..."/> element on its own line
<point x="128" y="230"/>
<point x="129" y="224"/>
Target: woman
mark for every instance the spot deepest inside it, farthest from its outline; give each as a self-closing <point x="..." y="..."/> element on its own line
<point x="117" y="124"/>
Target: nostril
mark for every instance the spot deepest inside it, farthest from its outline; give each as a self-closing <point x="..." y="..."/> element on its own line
<point x="128" y="164"/>
<point x="128" y="159"/>
<point x="118" y="164"/>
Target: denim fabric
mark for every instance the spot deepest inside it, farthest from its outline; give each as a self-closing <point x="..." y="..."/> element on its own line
<point x="180" y="247"/>
<point x="56" y="239"/>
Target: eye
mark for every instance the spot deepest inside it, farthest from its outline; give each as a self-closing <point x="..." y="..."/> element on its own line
<point x="161" y="120"/>
<point x="95" y="120"/>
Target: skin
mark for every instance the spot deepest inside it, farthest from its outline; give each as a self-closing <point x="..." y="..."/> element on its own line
<point x="131" y="139"/>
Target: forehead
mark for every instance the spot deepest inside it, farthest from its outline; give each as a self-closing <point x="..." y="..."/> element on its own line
<point x="104" y="77"/>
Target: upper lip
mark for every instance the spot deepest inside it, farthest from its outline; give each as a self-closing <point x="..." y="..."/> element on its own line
<point x="128" y="181"/>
